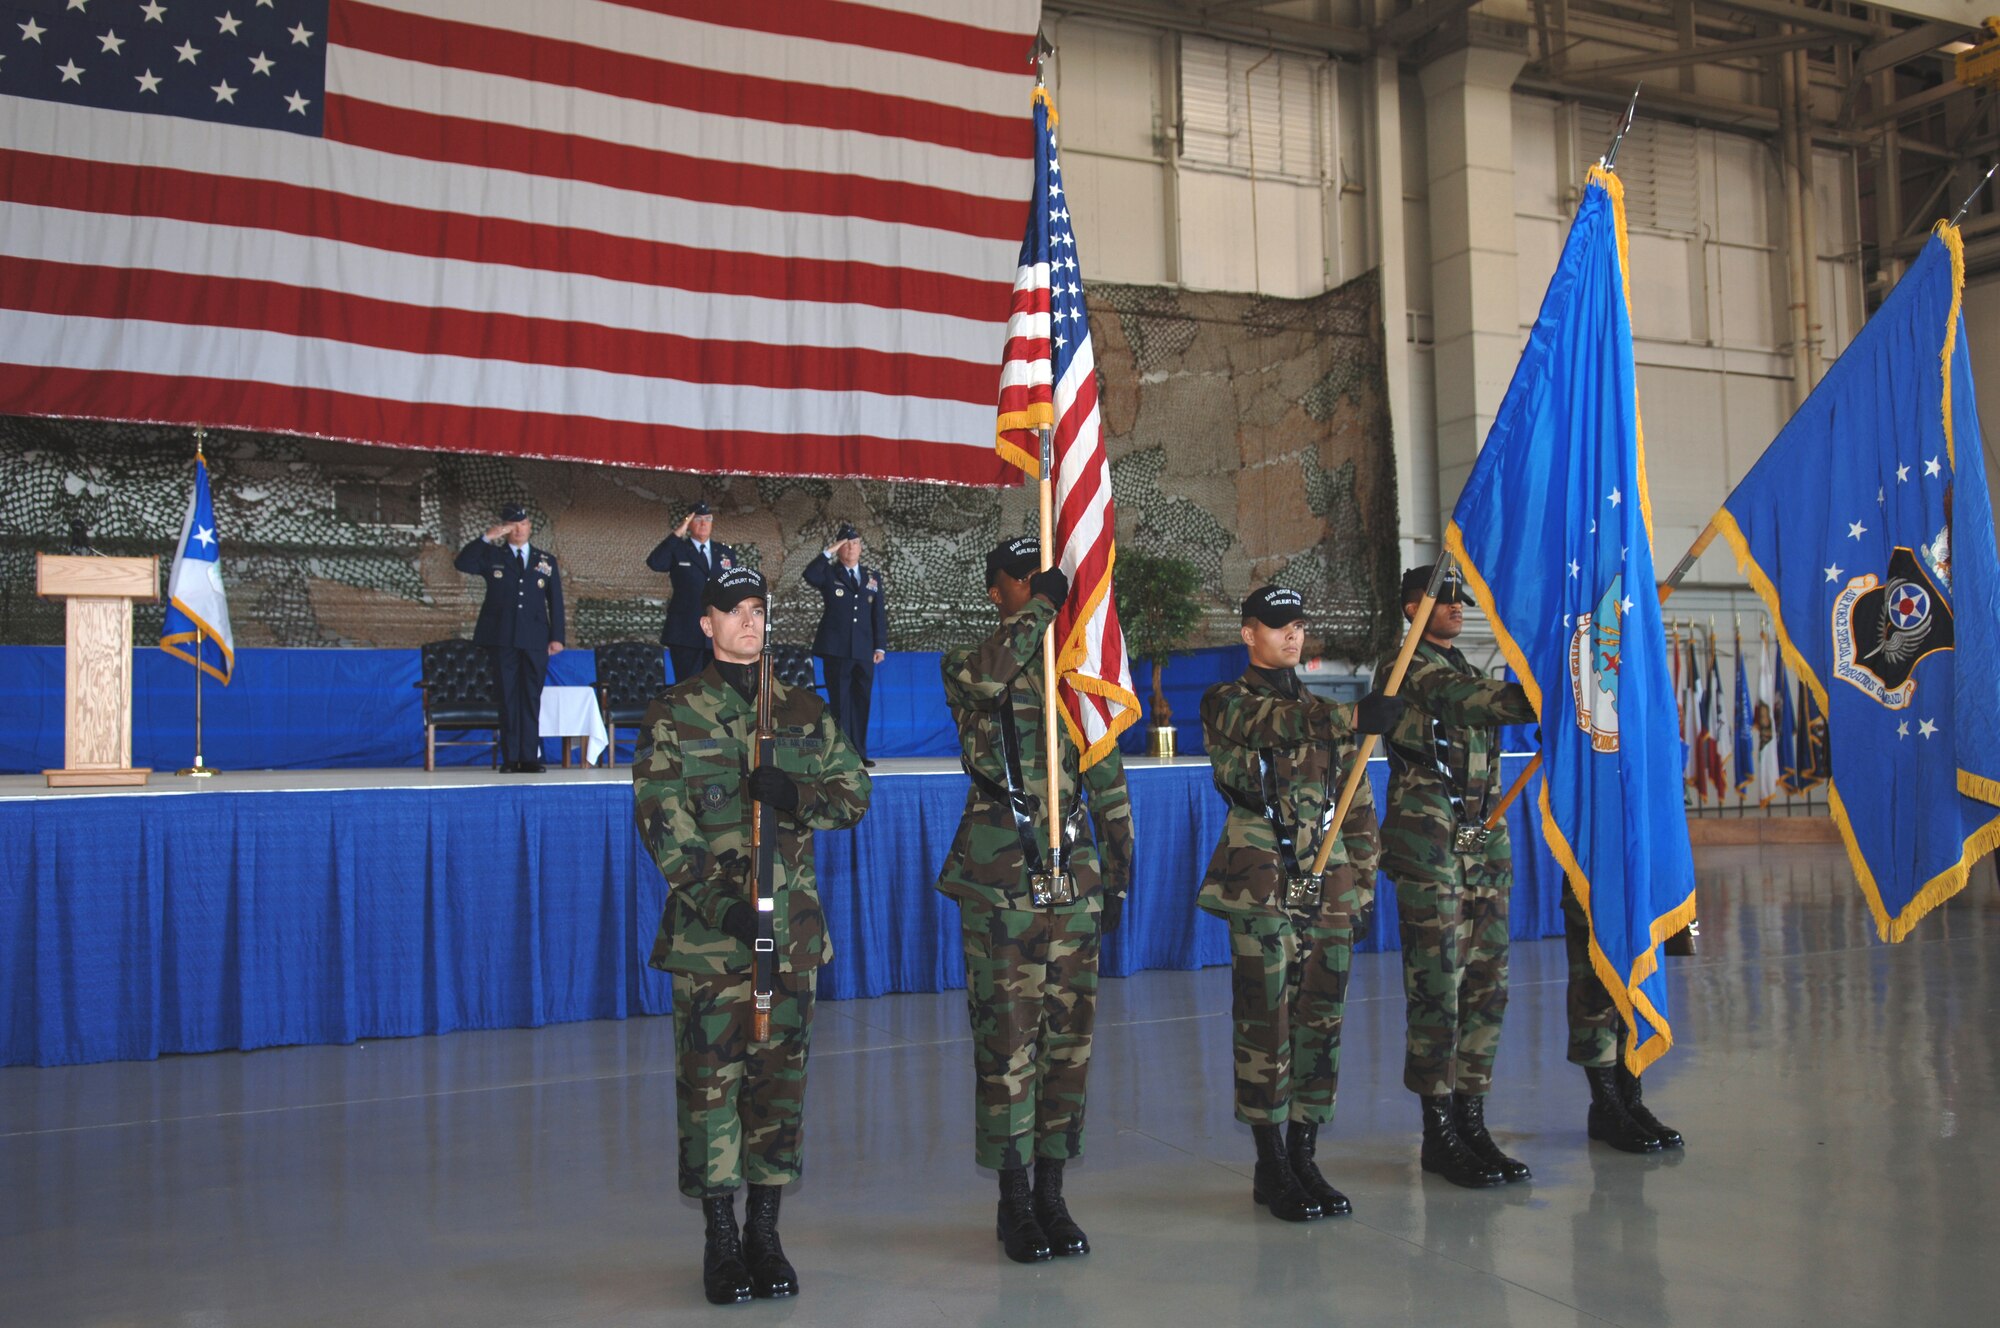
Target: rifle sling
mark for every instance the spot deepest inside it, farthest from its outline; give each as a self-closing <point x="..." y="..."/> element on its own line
<point x="765" y="950"/>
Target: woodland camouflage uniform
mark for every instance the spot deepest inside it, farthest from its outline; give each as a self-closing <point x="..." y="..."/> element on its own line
<point x="1445" y="772"/>
<point x="1289" y="965"/>
<point x="739" y="1104"/>
<point x="1031" y="972"/>
<point x="1595" y="1028"/>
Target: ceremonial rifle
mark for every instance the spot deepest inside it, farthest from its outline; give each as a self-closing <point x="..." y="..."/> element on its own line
<point x="763" y="851"/>
<point x="1366" y="748"/>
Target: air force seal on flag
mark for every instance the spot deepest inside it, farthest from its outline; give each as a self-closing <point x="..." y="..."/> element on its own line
<point x="1594" y="650"/>
<point x="1883" y="627"/>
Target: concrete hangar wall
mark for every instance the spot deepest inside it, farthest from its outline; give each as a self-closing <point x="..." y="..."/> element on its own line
<point x="1218" y="165"/>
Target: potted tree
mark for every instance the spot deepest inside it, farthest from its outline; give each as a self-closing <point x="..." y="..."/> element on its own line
<point x="1158" y="609"/>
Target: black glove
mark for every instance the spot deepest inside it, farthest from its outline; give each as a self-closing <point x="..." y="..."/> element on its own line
<point x="1376" y="713"/>
<point x="1112" y="913"/>
<point x="768" y="784"/>
<point x="1051" y="585"/>
<point x="740" y="922"/>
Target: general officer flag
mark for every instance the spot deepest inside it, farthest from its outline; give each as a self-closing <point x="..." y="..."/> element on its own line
<point x="1867" y="530"/>
<point x="197" y="623"/>
<point x="1554" y="533"/>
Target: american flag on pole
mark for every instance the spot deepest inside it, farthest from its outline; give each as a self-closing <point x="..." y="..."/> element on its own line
<point x="692" y="234"/>
<point x="1048" y="376"/>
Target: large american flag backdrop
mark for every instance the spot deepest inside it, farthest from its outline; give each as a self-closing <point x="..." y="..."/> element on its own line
<point x="716" y="235"/>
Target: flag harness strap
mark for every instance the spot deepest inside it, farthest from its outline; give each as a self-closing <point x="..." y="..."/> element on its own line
<point x="1061" y="888"/>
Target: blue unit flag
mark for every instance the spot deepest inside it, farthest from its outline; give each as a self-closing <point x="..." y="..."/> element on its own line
<point x="1867" y="530"/>
<point x="197" y="623"/>
<point x="1554" y="532"/>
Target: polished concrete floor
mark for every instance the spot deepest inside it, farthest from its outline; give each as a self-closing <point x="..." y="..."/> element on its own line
<point x="1841" y="1099"/>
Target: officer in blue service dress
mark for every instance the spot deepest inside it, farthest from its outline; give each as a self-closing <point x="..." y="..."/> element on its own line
<point x="689" y="558"/>
<point x="853" y="632"/>
<point x="521" y="623"/>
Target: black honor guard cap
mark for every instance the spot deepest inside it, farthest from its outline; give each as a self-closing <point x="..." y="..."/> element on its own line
<point x="1020" y="558"/>
<point x="1275" y="606"/>
<point x="513" y="512"/>
<point x="847" y="532"/>
<point x="731" y="586"/>
<point x="1417" y="579"/>
<point x="701" y="508"/>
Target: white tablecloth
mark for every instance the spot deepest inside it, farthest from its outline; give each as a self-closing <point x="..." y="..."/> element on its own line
<point x="571" y="712"/>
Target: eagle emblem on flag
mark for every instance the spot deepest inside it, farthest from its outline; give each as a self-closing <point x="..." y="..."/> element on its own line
<point x="1882" y="626"/>
<point x="1594" y="650"/>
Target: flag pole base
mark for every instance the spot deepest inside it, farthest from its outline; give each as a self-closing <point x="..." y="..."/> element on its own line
<point x="198" y="770"/>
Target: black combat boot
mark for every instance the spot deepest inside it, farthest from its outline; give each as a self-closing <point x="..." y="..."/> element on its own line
<point x="1468" y="1113"/>
<point x="1635" y="1106"/>
<point x="1300" y="1140"/>
<point x="1018" y="1230"/>
<point x="1065" y="1236"/>
<point x="724" y="1278"/>
<point x="1610" y="1120"/>
<point x="771" y="1273"/>
<point x="1447" y="1154"/>
<point x="1275" y="1184"/>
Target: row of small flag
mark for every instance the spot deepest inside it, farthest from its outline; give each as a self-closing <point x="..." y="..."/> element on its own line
<point x="1772" y="729"/>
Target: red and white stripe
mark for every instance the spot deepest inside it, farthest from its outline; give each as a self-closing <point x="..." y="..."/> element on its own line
<point x="1090" y="658"/>
<point x="674" y="233"/>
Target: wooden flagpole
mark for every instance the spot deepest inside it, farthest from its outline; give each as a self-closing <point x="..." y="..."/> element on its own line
<point x="1051" y="721"/>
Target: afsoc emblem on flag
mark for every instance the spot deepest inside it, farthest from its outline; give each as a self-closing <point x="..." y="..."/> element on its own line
<point x="1881" y="629"/>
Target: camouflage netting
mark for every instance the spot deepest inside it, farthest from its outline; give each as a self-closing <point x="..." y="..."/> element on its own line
<point x="1248" y="435"/>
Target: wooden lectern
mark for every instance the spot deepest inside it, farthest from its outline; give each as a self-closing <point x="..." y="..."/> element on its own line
<point x="97" y="670"/>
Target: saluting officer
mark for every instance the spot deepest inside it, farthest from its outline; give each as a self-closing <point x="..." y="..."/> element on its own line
<point x="1278" y="755"/>
<point x="853" y="632"/>
<point x="521" y="622"/>
<point x="740" y="1103"/>
<point x="1453" y="878"/>
<point x="689" y="557"/>
<point x="1031" y="939"/>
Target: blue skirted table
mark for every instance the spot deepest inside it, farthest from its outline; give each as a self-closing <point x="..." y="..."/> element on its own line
<point x="138" y="925"/>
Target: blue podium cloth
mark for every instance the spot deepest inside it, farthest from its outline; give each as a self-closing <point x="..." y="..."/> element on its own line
<point x="137" y="926"/>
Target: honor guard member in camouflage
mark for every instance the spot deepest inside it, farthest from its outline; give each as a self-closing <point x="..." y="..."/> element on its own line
<point x="1278" y="755"/>
<point x="739" y="1103"/>
<point x="1619" y="1115"/>
<point x="1452" y="883"/>
<point x="1031" y="942"/>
